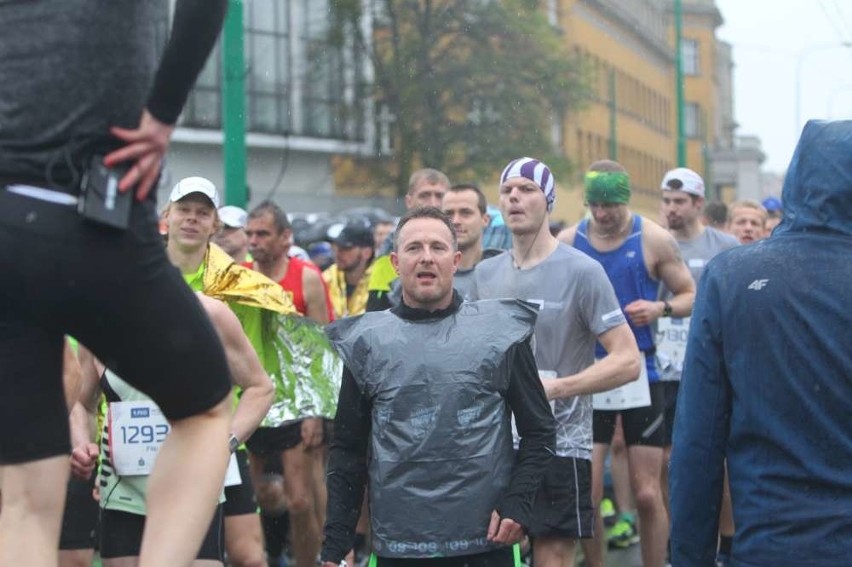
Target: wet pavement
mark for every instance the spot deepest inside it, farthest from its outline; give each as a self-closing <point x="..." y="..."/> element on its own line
<point x="630" y="557"/>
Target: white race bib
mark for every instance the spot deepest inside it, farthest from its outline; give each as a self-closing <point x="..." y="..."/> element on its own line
<point x="634" y="394"/>
<point x="671" y="342"/>
<point x="136" y="432"/>
<point x="232" y="475"/>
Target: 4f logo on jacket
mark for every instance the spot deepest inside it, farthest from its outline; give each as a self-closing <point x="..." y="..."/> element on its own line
<point x="758" y="285"/>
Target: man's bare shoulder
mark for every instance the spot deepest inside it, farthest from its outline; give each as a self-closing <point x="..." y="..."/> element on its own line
<point x="312" y="277"/>
<point x="218" y="311"/>
<point x="657" y="238"/>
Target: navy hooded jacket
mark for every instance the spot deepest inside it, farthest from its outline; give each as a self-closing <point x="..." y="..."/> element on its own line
<point x="767" y="380"/>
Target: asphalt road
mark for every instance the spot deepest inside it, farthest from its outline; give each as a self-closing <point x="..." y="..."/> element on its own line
<point x="630" y="557"/>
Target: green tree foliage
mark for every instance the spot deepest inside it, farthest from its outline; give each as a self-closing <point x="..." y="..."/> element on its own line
<point x="470" y="83"/>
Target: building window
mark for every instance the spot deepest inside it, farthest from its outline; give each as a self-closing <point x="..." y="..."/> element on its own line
<point x="692" y="120"/>
<point x="557" y="137"/>
<point x="295" y="82"/>
<point x="268" y="58"/>
<point x="385" y="120"/>
<point x="323" y="84"/>
<point x="204" y="107"/>
<point x="689" y="56"/>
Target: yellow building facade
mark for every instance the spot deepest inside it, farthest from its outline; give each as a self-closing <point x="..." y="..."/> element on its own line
<point x="627" y="47"/>
<point x="628" y="54"/>
<point x="701" y="85"/>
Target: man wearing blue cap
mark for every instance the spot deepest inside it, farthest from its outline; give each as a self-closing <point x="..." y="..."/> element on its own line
<point x="577" y="308"/>
<point x="774" y="210"/>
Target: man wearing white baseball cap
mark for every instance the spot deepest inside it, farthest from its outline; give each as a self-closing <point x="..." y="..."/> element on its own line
<point x="682" y="205"/>
<point x="190" y="185"/>
<point x="192" y="219"/>
<point x="232" y="236"/>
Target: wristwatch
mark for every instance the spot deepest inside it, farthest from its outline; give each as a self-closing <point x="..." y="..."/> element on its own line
<point x="233" y="443"/>
<point x="667" y="309"/>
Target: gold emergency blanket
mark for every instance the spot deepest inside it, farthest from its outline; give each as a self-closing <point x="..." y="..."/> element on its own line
<point x="306" y="370"/>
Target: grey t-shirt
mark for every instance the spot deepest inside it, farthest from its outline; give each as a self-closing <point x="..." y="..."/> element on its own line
<point x="576" y="304"/>
<point x="696" y="253"/>
<point x="700" y="250"/>
<point x="463" y="280"/>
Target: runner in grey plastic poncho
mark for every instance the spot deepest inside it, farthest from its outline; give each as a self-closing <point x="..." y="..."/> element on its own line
<point x="429" y="387"/>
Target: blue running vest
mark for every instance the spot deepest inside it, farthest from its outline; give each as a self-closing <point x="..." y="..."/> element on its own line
<point x="625" y="267"/>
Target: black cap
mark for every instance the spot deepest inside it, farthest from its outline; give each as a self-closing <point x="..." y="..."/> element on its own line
<point x="355" y="235"/>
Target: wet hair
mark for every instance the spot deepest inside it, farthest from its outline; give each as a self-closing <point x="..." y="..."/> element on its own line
<point x="424" y="213"/>
<point x="717" y="213"/>
<point x="279" y="217"/>
<point x="607" y="165"/>
<point x="481" y="202"/>
<point x="429" y="175"/>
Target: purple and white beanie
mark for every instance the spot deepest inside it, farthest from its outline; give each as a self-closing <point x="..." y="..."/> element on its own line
<point x="533" y="170"/>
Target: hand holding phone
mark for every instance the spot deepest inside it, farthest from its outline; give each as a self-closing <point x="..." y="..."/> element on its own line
<point x="100" y="199"/>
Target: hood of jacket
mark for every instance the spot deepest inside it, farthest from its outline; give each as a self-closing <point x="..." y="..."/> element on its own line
<point x="817" y="192"/>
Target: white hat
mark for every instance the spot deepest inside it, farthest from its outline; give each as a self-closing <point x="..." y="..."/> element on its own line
<point x="190" y="185"/>
<point x="233" y="217"/>
<point x="683" y="179"/>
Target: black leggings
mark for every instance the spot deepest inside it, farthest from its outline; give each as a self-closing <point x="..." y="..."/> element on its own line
<point x="116" y="292"/>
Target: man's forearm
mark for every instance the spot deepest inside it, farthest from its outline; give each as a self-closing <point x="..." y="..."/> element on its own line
<point x="612" y="371"/>
<point x="251" y="409"/>
<point x="345" y="482"/>
<point x="82" y="424"/>
<point x="347" y="470"/>
<point x="682" y="304"/>
<point x="537" y="429"/>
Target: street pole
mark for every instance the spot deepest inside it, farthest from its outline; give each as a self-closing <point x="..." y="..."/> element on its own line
<point x="234" y="106"/>
<point x="613" y="118"/>
<point x="679" y="94"/>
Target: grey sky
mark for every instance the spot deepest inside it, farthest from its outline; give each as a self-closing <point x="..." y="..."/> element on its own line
<point x="778" y="44"/>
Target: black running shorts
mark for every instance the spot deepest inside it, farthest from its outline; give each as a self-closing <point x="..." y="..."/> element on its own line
<point x="240" y="499"/>
<point x="563" y="504"/>
<point x="121" y="535"/>
<point x="642" y="426"/>
<point x="118" y="294"/>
